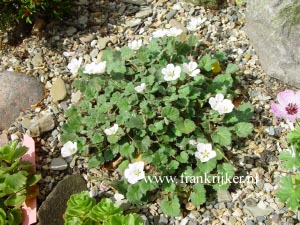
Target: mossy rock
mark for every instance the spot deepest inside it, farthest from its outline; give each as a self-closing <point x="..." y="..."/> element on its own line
<point x="211" y="4"/>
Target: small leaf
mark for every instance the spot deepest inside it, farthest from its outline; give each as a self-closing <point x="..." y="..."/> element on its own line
<point x="243" y="129"/>
<point x="185" y="126"/>
<point x="198" y="195"/>
<point x="222" y="136"/>
<point x="232" y="68"/>
<point x="170" y="207"/>
<point x="15" y="200"/>
<point x="104" y="210"/>
<point x="170" y="112"/>
<point x="134" y="195"/>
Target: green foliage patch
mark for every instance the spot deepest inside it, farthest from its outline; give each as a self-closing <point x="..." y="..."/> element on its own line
<point x="158" y="124"/>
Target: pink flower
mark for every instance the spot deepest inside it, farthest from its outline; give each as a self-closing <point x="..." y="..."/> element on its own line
<point x="289" y="105"/>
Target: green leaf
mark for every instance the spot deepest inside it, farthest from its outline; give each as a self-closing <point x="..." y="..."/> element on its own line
<point x="33" y="179"/>
<point x="15" y="200"/>
<point x="198" y="195"/>
<point x="127" y="52"/>
<point x="232" y="68"/>
<point x="288" y="192"/>
<point x="14" y="216"/>
<point x="173" y="166"/>
<point x="14" y="182"/>
<point x="170" y="112"/>
<point x="127" y="150"/>
<point x="134" y="195"/>
<point x="243" y="129"/>
<point x="131" y="219"/>
<point x="290" y="160"/>
<point x="220" y="56"/>
<point x="97" y="138"/>
<point x="104" y="210"/>
<point x="224" y="80"/>
<point x="185" y="126"/>
<point x="243" y="114"/>
<point x="79" y="205"/>
<point x="113" y="139"/>
<point x="183" y="157"/>
<point x="136" y="122"/>
<point x="205" y="63"/>
<point x="170" y="207"/>
<point x="222" y="136"/>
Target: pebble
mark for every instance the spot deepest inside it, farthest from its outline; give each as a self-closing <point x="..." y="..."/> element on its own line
<point x="102" y="42"/>
<point x="171" y="14"/>
<point x="58" y="90"/>
<point x="136" y="2"/>
<point x="224" y="196"/>
<point x="276" y="218"/>
<point x="144" y="13"/>
<point x="133" y="23"/>
<point x="163" y="220"/>
<point x="41" y="123"/>
<point x="58" y="164"/>
<point x="3" y="139"/>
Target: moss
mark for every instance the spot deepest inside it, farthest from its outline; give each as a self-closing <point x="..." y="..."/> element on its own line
<point x="212" y="4"/>
<point x="289" y="16"/>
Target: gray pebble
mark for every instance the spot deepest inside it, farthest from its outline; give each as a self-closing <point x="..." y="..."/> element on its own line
<point x="58" y="164"/>
<point x="171" y="14"/>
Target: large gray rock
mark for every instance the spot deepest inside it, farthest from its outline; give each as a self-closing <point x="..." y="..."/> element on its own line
<point x="278" y="48"/>
<point x="18" y="92"/>
<point x="52" y="209"/>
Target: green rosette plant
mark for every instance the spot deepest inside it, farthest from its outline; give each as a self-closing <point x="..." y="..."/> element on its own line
<point x="165" y="105"/>
<point x="17" y="181"/>
<point x="83" y="210"/>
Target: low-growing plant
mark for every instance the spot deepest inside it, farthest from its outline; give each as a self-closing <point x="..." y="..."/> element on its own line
<point x="83" y="210"/>
<point x="289" y="108"/>
<point x="151" y="105"/>
<point x="12" y="11"/>
<point x="17" y="180"/>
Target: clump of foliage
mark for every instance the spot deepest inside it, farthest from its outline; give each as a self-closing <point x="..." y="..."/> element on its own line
<point x="83" y="210"/>
<point x="17" y="181"/>
<point x="132" y="110"/>
<point x="14" y="11"/>
<point x="289" y="190"/>
<point x="213" y="4"/>
<point x="288" y="108"/>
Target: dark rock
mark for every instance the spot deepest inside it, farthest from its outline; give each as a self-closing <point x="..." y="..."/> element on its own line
<point x="18" y="92"/>
<point x="52" y="209"/>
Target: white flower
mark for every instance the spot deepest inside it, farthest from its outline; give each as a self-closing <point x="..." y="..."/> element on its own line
<point x="68" y="149"/>
<point x="159" y="33"/>
<point x="215" y="101"/>
<point x="225" y="106"/>
<point x="112" y="130"/>
<point x="195" y="23"/>
<point x="135" y="172"/>
<point x="173" y="32"/>
<point x="205" y="152"/>
<point x="191" y="68"/>
<point x="140" y="88"/>
<point x="135" y="45"/>
<point x="95" y="68"/>
<point x="171" y="72"/>
<point x="74" y="65"/>
<point x="193" y="142"/>
<point x="118" y="197"/>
